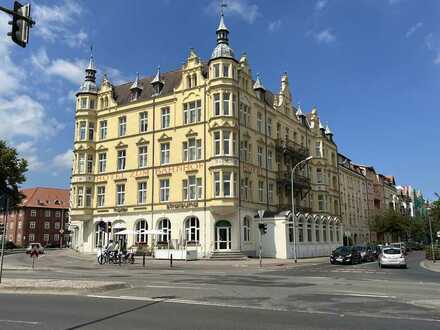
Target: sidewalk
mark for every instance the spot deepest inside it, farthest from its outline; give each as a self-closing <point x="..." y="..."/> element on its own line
<point x="9" y="285"/>
<point x="429" y="265"/>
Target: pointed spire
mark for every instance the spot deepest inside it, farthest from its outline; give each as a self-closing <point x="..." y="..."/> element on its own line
<point x="157" y="83"/>
<point x="299" y="112"/>
<point x="222" y="25"/>
<point x="136" y="84"/>
<point x="156" y="78"/>
<point x="258" y="85"/>
<point x="327" y="130"/>
<point x="91" y="65"/>
<point x="89" y="84"/>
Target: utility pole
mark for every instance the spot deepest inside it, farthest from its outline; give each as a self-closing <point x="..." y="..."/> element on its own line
<point x="430" y="233"/>
<point x="260" y="225"/>
<point x="5" y="229"/>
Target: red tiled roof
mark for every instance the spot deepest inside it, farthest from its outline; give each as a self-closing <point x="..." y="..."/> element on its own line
<point x="53" y="198"/>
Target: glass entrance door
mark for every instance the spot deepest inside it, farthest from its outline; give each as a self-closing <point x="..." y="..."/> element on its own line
<point x="223" y="236"/>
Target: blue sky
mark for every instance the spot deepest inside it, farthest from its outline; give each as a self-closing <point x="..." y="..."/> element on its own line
<point x="372" y="68"/>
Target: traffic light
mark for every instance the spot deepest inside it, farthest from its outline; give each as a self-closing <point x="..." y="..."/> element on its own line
<point x="2" y="228"/>
<point x="21" y="22"/>
<point x="263" y="228"/>
<point x="109" y="227"/>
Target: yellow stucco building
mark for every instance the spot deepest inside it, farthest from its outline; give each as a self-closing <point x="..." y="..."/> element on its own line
<point x="195" y="153"/>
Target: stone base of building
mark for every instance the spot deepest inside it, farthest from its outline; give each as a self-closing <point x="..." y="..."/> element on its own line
<point x="214" y="230"/>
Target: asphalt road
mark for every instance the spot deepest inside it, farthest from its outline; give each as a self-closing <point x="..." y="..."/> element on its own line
<point x="306" y="296"/>
<point x="65" y="312"/>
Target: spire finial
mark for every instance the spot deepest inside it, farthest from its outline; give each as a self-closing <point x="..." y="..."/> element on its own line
<point x="258" y="85"/>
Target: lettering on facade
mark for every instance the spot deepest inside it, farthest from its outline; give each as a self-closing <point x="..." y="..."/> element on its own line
<point x="253" y="169"/>
<point x="146" y="172"/>
<point x="182" y="205"/>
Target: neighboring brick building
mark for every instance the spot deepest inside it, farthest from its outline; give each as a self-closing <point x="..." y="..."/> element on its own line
<point x="41" y="217"/>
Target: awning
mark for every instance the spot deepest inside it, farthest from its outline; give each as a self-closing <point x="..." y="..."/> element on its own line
<point x="151" y="231"/>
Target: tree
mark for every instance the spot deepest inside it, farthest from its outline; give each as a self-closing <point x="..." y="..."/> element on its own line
<point x="12" y="174"/>
<point x="435" y="217"/>
<point x="390" y="222"/>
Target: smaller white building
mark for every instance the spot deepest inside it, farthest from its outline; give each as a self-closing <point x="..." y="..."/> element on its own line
<point x="316" y="235"/>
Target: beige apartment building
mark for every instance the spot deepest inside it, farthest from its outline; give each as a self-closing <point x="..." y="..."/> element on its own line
<point x="354" y="202"/>
<point x="195" y="153"/>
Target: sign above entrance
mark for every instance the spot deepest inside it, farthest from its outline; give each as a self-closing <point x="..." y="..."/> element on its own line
<point x="182" y="205"/>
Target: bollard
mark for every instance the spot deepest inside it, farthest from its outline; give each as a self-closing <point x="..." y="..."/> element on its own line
<point x="143" y="260"/>
<point x="171" y="260"/>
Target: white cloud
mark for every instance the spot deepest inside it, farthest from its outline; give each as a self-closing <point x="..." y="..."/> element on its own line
<point x="40" y="59"/>
<point x="63" y="161"/>
<point x="55" y="22"/>
<point x="320" y="5"/>
<point x="10" y="74"/>
<point x="22" y="116"/>
<point x="274" y="26"/>
<point x="325" y="37"/>
<point x="413" y="29"/>
<point x="72" y="71"/>
<point x="242" y="8"/>
<point x="28" y="151"/>
<point x="433" y="45"/>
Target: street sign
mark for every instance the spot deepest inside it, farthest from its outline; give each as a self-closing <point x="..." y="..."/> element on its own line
<point x="261" y="213"/>
<point x="438" y="234"/>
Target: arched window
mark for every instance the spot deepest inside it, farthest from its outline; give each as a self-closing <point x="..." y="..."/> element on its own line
<point x="246" y="229"/>
<point x="309" y="230"/>
<point x="192" y="229"/>
<point x="165" y="226"/>
<point x="317" y="230"/>
<point x="141" y="237"/>
<point x="188" y="81"/>
<point x="290" y="224"/>
<point x="324" y="231"/>
<point x="99" y="236"/>
<point x="300" y="229"/>
<point x="194" y="80"/>
<point x="332" y="236"/>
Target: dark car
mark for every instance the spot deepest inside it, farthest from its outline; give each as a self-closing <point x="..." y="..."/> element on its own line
<point x="346" y="255"/>
<point x="367" y="254"/>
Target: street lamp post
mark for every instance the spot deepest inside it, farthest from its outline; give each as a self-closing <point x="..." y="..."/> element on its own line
<point x="293" y="204"/>
<point x="260" y="254"/>
<point x="430" y="233"/>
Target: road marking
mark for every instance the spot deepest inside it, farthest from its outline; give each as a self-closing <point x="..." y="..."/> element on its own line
<point x="277" y="309"/>
<point x="370" y="295"/>
<point x="176" y="287"/>
<point x="20" y="322"/>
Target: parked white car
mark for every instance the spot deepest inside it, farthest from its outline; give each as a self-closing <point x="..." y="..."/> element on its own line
<point x="391" y="256"/>
<point x="37" y="246"/>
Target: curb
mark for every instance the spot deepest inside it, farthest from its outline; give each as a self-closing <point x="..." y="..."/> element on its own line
<point x="429" y="266"/>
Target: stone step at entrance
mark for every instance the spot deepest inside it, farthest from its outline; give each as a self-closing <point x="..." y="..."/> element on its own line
<point x="227" y="255"/>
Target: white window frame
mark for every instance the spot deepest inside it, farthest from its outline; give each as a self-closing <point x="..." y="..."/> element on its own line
<point x="260" y="191"/>
<point x="46" y="225"/>
<point x="121" y="159"/>
<point x="100" y="196"/>
<point x="164" y="153"/>
<point x="142" y="156"/>
<point x="82" y="130"/>
<point x="192" y="229"/>
<point x="32" y="224"/>
<point x="226" y="98"/>
<point x="142" y="192"/>
<point x="217" y="104"/>
<point x="259" y="122"/>
<point x="103" y="129"/>
<point x="217" y="143"/>
<point x="102" y="162"/>
<point x="164" y="191"/>
<point x="260" y="156"/>
<point x="143" y="122"/>
<point x="165" y="117"/>
<point x="122" y="128"/>
<point x="192" y="112"/>
<point x="120" y="194"/>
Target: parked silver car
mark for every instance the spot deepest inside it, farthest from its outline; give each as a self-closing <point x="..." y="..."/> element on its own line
<point x="391" y="256"/>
